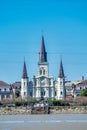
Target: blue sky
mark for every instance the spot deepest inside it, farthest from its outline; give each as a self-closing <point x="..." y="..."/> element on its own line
<point x="64" y="25"/>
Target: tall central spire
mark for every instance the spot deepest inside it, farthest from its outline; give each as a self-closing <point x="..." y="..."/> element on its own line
<point x="42" y="53"/>
<point x="24" y="75"/>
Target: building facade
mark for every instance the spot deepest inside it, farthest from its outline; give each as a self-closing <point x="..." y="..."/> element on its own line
<point x="5" y="91"/>
<point x="43" y="85"/>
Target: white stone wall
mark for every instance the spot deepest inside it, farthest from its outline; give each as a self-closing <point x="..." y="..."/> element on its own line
<point x="61" y="89"/>
<point x="43" y="88"/>
<point x="42" y="67"/>
<point x="24" y="88"/>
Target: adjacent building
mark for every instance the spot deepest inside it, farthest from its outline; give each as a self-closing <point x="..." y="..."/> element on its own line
<point x="79" y="87"/>
<point x="16" y="87"/>
<point x="74" y="88"/>
<point x="5" y="91"/>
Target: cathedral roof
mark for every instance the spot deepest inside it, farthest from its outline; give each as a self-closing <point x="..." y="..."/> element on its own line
<point x="43" y="53"/>
<point x="61" y="71"/>
<point x="24" y="74"/>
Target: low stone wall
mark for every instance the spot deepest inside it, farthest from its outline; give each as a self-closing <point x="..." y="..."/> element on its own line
<point x="53" y="110"/>
<point x="14" y="111"/>
<point x="40" y="110"/>
<point x="68" y="110"/>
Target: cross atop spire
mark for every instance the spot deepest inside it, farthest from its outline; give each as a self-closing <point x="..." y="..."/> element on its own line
<point x="24" y="74"/>
<point x="42" y="53"/>
<point x="61" y="71"/>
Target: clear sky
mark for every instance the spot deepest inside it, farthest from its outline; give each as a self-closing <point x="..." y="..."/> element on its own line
<point x="64" y="24"/>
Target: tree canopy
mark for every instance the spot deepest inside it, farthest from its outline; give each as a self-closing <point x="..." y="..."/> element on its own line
<point x="84" y="92"/>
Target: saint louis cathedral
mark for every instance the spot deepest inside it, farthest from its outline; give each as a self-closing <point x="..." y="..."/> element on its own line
<point x="43" y="85"/>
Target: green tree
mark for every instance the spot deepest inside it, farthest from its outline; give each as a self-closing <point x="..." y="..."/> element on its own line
<point x="84" y="92"/>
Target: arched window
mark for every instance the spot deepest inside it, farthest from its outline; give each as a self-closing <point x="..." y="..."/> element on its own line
<point x="43" y="72"/>
<point x="41" y="94"/>
<point x="24" y="83"/>
<point x="61" y="83"/>
<point x="49" y="82"/>
<point x="40" y="72"/>
<point x="31" y="94"/>
<point x="80" y="88"/>
<point x="61" y="93"/>
<point x="5" y="89"/>
<point x="44" y="93"/>
<point x="24" y="93"/>
<point x="55" y="93"/>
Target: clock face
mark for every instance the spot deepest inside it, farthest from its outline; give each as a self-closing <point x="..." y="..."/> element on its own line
<point x="42" y="81"/>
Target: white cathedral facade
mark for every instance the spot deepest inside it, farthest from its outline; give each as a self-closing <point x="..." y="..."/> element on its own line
<point x="43" y="85"/>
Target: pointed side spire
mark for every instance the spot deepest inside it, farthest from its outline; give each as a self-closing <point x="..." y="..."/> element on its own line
<point x="24" y="74"/>
<point x="42" y="53"/>
<point x="61" y="71"/>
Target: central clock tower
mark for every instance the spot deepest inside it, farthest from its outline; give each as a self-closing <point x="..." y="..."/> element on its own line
<point x="43" y="87"/>
<point x="43" y="64"/>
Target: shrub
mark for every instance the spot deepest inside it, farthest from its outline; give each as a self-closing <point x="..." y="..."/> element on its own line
<point x="84" y="92"/>
<point x="33" y="101"/>
<point x="58" y="103"/>
<point x="50" y="102"/>
<point x="17" y="103"/>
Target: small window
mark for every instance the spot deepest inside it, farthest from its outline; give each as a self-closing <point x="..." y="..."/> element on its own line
<point x="40" y="72"/>
<point x="43" y="72"/>
<point x="80" y="88"/>
<point x="60" y="83"/>
<point x="41" y="94"/>
<point x="24" y="93"/>
<point x="24" y="83"/>
<point x="31" y="94"/>
<point x="49" y="82"/>
<point x="61" y="93"/>
<point x="5" y="89"/>
<point x="44" y="93"/>
<point x="55" y="93"/>
<point x="10" y="89"/>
